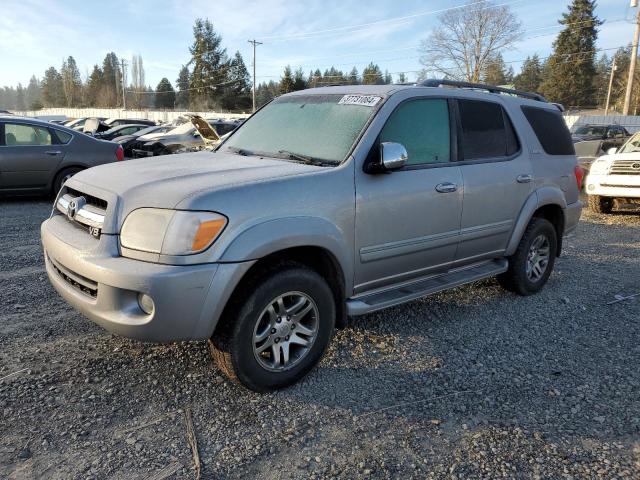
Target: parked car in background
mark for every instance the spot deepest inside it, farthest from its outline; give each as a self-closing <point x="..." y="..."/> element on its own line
<point x="95" y="125"/>
<point x="222" y="127"/>
<point x="38" y="156"/>
<point x="5" y="112"/>
<point x="610" y="135"/>
<point x="196" y="134"/>
<point x="126" y="129"/>
<point x="78" y="123"/>
<point x="326" y="203"/>
<point x="136" y="140"/>
<point x="615" y="177"/>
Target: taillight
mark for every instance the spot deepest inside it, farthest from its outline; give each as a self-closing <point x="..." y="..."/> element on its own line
<point x="579" y="173"/>
<point x="120" y="153"/>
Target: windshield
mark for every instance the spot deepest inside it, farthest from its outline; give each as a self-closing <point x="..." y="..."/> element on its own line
<point x="632" y="145"/>
<point x="590" y="130"/>
<point x="318" y="127"/>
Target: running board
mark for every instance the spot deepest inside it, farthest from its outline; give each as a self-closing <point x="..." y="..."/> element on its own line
<point x="370" y="302"/>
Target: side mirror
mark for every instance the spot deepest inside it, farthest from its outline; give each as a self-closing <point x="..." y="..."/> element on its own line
<point x="612" y="151"/>
<point x="392" y="156"/>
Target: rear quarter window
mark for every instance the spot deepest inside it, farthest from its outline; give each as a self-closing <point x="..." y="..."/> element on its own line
<point x="551" y="130"/>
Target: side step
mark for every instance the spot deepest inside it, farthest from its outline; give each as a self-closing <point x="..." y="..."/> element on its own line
<point x="370" y="302"/>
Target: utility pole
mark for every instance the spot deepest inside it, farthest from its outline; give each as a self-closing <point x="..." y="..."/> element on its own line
<point x="613" y="69"/>
<point x="255" y="43"/>
<point x="124" y="83"/>
<point x="632" y="64"/>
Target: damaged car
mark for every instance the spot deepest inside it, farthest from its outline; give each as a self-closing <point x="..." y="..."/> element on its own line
<point x="196" y="134"/>
<point x="139" y="138"/>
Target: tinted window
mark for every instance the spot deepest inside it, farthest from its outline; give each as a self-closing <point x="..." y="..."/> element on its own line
<point x="550" y="129"/>
<point x="18" y="134"/>
<point x="422" y="126"/>
<point x="486" y="130"/>
<point x="63" y="137"/>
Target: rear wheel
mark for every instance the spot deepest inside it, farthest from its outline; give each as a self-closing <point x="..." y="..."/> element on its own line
<point x="600" y="204"/>
<point x="532" y="263"/>
<point x="277" y="330"/>
<point x="62" y="177"/>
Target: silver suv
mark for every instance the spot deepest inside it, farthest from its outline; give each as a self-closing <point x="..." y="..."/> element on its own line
<point x="326" y="203"/>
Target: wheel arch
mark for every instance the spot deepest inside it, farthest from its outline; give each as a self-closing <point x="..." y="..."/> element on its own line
<point x="548" y="203"/>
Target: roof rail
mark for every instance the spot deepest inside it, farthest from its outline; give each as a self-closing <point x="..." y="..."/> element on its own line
<point x="435" y="82"/>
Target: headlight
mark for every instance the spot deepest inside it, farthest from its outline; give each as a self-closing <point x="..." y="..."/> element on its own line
<point x="599" y="167"/>
<point x="171" y="232"/>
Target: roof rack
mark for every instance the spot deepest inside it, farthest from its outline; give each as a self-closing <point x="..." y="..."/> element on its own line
<point x="434" y="82"/>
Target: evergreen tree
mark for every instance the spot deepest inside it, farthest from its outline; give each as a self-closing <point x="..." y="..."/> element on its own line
<point x="182" y="84"/>
<point x="94" y="85"/>
<point x="52" y="88"/>
<point x="315" y="78"/>
<point x="622" y="58"/>
<point x="299" y="83"/>
<point x="496" y="72"/>
<point x="165" y="95"/>
<point x="354" y="79"/>
<point x="570" y="70"/>
<point x="71" y="82"/>
<point x="237" y="94"/>
<point x="402" y="78"/>
<point x="33" y="95"/>
<point x="601" y="82"/>
<point x="108" y="95"/>
<point x="210" y="66"/>
<point x="286" y="82"/>
<point x="20" y="100"/>
<point x="530" y="76"/>
<point x="388" y="79"/>
<point x="372" y="75"/>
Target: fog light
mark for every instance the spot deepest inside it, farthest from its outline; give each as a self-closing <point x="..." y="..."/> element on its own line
<point x="591" y="186"/>
<point x="146" y="303"/>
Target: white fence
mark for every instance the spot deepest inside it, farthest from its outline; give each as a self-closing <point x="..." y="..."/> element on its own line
<point x="630" y="122"/>
<point x="155" y="115"/>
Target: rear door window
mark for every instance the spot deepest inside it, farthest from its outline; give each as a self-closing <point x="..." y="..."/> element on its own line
<point x="551" y="130"/>
<point x="16" y="134"/>
<point x="487" y="131"/>
<point x="422" y="126"/>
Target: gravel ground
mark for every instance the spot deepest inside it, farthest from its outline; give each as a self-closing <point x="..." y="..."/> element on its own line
<point x="470" y="383"/>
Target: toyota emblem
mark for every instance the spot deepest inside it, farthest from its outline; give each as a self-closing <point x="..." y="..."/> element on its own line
<point x="636" y="166"/>
<point x="74" y="206"/>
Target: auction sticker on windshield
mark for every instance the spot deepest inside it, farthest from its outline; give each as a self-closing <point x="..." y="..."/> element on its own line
<point x="366" y="100"/>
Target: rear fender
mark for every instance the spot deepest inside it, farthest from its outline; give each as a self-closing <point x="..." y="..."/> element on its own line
<point x="543" y="196"/>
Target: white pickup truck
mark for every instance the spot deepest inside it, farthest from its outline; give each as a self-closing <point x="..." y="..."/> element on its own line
<point x="615" y="176"/>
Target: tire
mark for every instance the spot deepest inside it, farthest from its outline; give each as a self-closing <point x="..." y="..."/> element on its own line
<point x="62" y="177"/>
<point x="254" y="313"/>
<point x="600" y="204"/>
<point x="518" y="278"/>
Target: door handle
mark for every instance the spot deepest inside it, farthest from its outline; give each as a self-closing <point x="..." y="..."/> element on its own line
<point x="53" y="152"/>
<point x="524" y="178"/>
<point x="446" y="187"/>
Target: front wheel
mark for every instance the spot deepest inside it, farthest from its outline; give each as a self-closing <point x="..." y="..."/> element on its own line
<point x="280" y="331"/>
<point x="532" y="263"/>
<point x="62" y="177"/>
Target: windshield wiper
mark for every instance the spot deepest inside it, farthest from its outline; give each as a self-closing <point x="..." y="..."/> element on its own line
<point x="305" y="158"/>
<point x="241" y="151"/>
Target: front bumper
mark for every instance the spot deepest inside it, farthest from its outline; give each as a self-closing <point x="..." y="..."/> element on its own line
<point x="619" y="186"/>
<point x="104" y="287"/>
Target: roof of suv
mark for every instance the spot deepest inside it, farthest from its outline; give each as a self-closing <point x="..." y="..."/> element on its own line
<point x="388" y="89"/>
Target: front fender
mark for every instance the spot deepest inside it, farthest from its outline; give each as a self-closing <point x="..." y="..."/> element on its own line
<point x="546" y="195"/>
<point x="275" y="235"/>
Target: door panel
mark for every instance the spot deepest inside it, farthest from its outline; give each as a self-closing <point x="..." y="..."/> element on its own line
<point x="404" y="227"/>
<point x="408" y="221"/>
<point x="497" y="178"/>
<point x="28" y="159"/>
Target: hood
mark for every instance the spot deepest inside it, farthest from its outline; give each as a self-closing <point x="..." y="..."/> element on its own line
<point x="204" y="129"/>
<point x="166" y="180"/>
<point x="621" y="156"/>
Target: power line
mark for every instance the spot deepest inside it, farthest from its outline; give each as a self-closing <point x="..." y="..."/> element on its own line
<point x="382" y="22"/>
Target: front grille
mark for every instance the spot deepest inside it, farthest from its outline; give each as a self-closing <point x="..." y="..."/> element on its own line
<point x="82" y="284"/>
<point x="91" y="200"/>
<point x="625" y="167"/>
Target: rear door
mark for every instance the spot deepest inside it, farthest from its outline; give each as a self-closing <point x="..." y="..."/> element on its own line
<point x="497" y="178"/>
<point x="29" y="156"/>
